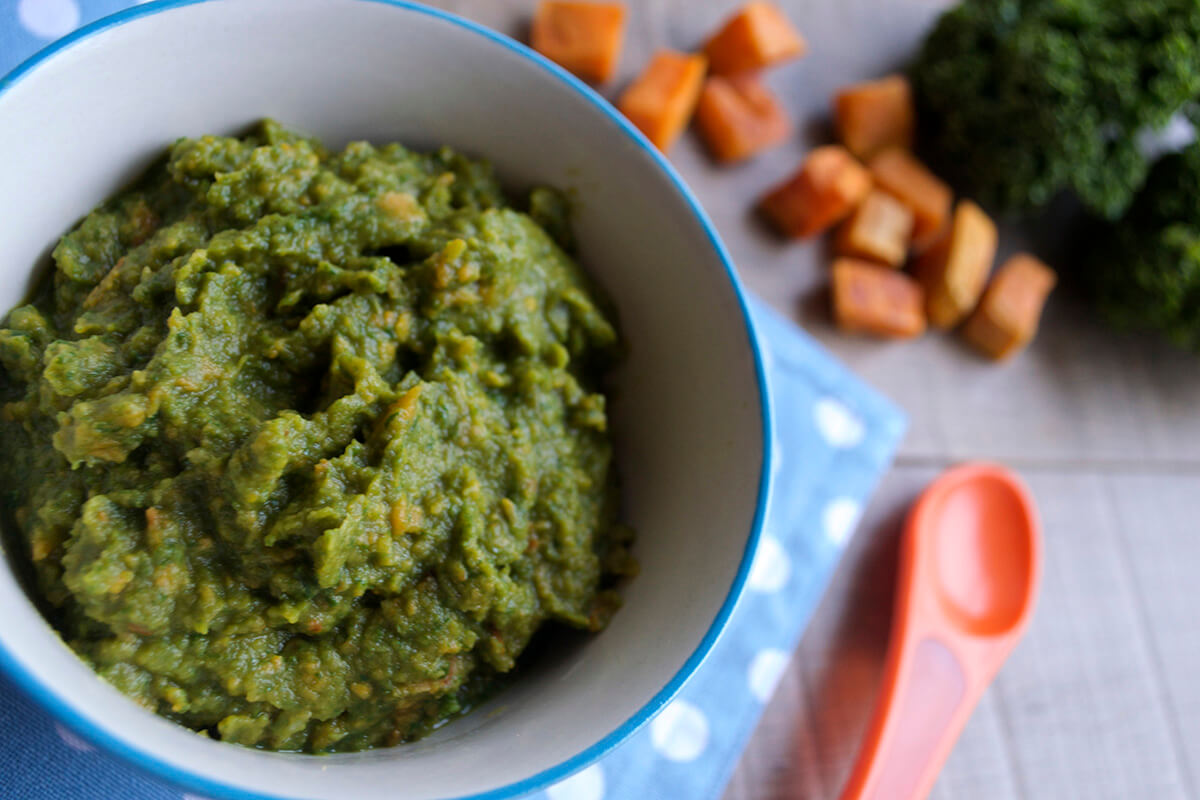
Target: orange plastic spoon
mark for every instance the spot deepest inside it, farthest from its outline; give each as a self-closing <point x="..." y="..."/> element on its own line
<point x="969" y="568"/>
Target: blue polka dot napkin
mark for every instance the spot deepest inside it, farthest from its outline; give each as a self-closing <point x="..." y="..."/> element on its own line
<point x="834" y="439"/>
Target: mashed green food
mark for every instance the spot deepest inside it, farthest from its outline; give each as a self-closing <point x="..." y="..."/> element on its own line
<point x="304" y="447"/>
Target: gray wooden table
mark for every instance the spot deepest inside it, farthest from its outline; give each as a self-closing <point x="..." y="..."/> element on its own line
<point x="1101" y="700"/>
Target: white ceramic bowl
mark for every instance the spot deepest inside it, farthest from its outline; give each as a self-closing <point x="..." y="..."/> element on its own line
<point x="690" y="414"/>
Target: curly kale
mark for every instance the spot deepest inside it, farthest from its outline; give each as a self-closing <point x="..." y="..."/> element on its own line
<point x="1022" y="99"/>
<point x="1144" y="271"/>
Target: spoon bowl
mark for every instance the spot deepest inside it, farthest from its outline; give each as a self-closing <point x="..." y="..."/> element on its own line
<point x="983" y="551"/>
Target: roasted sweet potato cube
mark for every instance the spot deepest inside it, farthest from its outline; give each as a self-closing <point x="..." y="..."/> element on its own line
<point x="1007" y="317"/>
<point x="868" y="298"/>
<point x="738" y="117"/>
<point x="954" y="270"/>
<point x="875" y="115"/>
<point x="757" y="36"/>
<point x="584" y="38"/>
<point x="827" y="187"/>
<point x="902" y="176"/>
<point x="878" y="230"/>
<point x="660" y="101"/>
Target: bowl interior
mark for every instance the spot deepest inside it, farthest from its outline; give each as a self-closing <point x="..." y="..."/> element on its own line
<point x="687" y="412"/>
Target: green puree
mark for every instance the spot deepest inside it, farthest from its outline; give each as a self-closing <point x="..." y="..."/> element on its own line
<point x="304" y="447"/>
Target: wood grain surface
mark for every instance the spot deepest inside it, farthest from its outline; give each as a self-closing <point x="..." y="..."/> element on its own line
<point x="1101" y="700"/>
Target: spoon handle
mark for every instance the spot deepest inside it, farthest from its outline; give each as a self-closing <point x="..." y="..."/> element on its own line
<point x="922" y="707"/>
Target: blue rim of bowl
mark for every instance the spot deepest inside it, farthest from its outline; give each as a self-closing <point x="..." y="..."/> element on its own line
<point x="46" y="696"/>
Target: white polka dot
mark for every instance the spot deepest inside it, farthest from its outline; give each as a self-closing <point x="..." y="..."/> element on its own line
<point x="765" y="671"/>
<point x="771" y="568"/>
<point x="837" y="424"/>
<point x="71" y="740"/>
<point x="839" y="519"/>
<point x="585" y="785"/>
<point x="680" y="732"/>
<point x="48" y="19"/>
<point x="186" y="796"/>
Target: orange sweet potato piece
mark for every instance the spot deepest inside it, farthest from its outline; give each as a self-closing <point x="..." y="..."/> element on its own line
<point x="738" y="117"/>
<point x="874" y="115"/>
<point x="902" y="176"/>
<point x="827" y="187"/>
<point x="878" y="230"/>
<point x="954" y="270"/>
<point x="660" y="101"/>
<point x="868" y="298"/>
<point x="757" y="36"/>
<point x="584" y="38"/>
<point x="1008" y="315"/>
